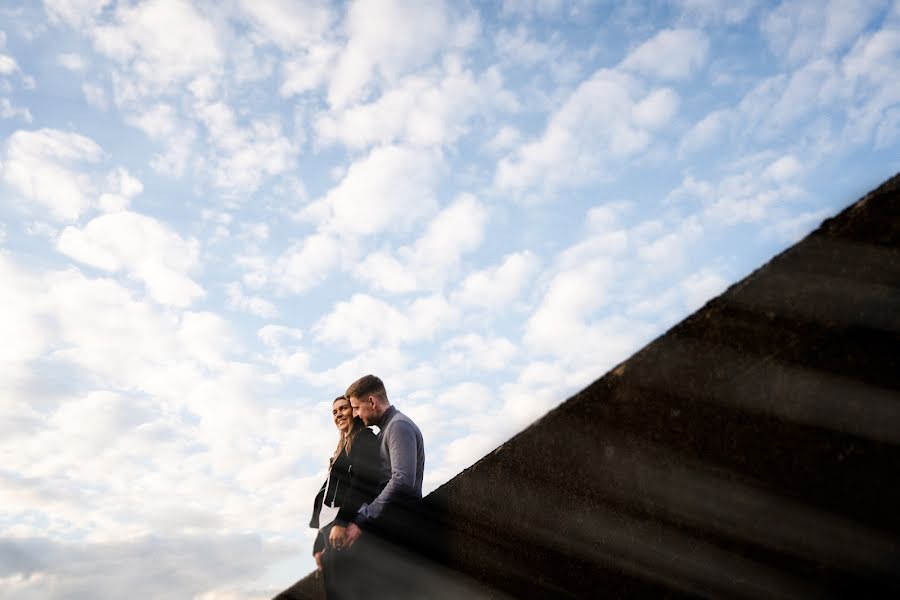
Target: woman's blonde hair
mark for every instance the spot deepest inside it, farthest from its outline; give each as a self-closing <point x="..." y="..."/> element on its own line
<point x="345" y="441"/>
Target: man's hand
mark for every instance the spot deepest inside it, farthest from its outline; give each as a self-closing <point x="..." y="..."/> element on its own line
<point x="337" y="537"/>
<point x="353" y="533"/>
<point x="318" y="557"/>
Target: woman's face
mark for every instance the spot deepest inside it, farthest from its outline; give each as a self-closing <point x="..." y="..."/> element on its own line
<point x="342" y="413"/>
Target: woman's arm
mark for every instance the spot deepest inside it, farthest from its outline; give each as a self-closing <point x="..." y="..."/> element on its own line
<point x="317" y="506"/>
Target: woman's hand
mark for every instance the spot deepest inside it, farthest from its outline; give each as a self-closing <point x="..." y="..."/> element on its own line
<point x="318" y="557"/>
<point x="337" y="537"/>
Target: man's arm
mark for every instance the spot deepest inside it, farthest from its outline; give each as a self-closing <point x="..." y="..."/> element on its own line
<point x="402" y="447"/>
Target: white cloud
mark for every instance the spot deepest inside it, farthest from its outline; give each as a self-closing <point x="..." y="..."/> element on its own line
<point x="545" y="9"/>
<point x="391" y="188"/>
<point x="8" y="65"/>
<point x="71" y="61"/>
<point x="161" y="44"/>
<point x="798" y="31"/>
<point x="499" y="286"/>
<point x="364" y="321"/>
<point x="474" y="353"/>
<point x="275" y="336"/>
<point x="874" y="57"/>
<point x="701" y="286"/>
<point x="144" y="248"/>
<point x="456" y="230"/>
<point x="20" y="317"/>
<point x="305" y="264"/>
<point x="518" y="46"/>
<point x="420" y="111"/>
<point x="596" y="128"/>
<point x="255" y="305"/>
<point x="706" y="132"/>
<point x="121" y="188"/>
<point x="786" y="167"/>
<point x="656" y="109"/>
<point x="8" y="111"/>
<point x="506" y="138"/>
<point x="388" y="38"/>
<point x="673" y="54"/>
<point x="289" y="24"/>
<point x="182" y="565"/>
<point x="95" y="95"/>
<point x="727" y="11"/>
<point x="76" y="13"/>
<point x="37" y="165"/>
<point x="308" y="70"/>
<point x="161" y="123"/>
<point x="559" y="324"/>
<point x="757" y="193"/>
<point x="245" y="155"/>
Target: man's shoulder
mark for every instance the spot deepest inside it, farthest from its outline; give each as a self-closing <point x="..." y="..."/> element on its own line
<point x="401" y="422"/>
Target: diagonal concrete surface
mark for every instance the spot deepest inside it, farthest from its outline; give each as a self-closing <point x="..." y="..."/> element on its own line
<point x="751" y="451"/>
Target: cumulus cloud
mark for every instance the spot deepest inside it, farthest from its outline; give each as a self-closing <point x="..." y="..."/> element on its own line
<point x="141" y="246"/>
<point x="363" y="320"/>
<point x="305" y="264"/>
<point x="701" y="286"/>
<point x="20" y="316"/>
<point x="391" y="188"/>
<point x="758" y="192"/>
<point x="308" y="70"/>
<point x="161" y="44"/>
<point x="604" y="122"/>
<point x="290" y="25"/>
<point x="498" y="286"/>
<point x="255" y="305"/>
<point x="727" y="11"/>
<point x="76" y="13"/>
<point x="9" y="111"/>
<point x="559" y="323"/>
<point x="245" y="155"/>
<point x="454" y="231"/>
<point x="180" y="565"/>
<point x="672" y="54"/>
<point x="420" y="111"/>
<point x="706" y="132"/>
<point x="656" y="109"/>
<point x="39" y="166"/>
<point x="71" y="61"/>
<point x="797" y="31"/>
<point x="388" y="38"/>
<point x="473" y="352"/>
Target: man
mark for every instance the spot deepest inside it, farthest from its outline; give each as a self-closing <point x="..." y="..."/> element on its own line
<point x="403" y="452"/>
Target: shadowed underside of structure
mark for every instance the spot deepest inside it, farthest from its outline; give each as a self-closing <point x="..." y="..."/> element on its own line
<point x="751" y="451"/>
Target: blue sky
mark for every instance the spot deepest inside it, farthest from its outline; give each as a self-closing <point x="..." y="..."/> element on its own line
<point x="216" y="215"/>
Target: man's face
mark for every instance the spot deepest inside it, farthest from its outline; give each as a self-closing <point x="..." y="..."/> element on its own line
<point x="363" y="408"/>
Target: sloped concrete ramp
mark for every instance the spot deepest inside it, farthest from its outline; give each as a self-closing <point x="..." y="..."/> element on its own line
<point x="752" y="451"/>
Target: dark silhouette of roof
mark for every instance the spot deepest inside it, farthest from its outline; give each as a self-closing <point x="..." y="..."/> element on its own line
<point x="753" y="450"/>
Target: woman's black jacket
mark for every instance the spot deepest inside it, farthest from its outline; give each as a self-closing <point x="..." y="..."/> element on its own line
<point x="355" y="479"/>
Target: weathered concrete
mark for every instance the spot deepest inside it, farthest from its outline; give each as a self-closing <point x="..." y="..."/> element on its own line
<point x="751" y="451"/>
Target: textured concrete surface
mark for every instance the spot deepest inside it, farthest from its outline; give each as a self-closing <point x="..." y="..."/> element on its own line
<point x="751" y="451"/>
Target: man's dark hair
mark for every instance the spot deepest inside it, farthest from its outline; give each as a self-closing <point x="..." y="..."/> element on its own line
<point x="365" y="386"/>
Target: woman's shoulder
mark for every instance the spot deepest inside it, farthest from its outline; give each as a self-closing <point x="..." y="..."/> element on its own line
<point x="366" y="434"/>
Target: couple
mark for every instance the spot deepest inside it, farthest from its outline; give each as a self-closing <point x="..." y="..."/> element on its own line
<point x="370" y="479"/>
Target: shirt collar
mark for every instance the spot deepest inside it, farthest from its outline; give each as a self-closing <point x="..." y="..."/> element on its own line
<point x="387" y="416"/>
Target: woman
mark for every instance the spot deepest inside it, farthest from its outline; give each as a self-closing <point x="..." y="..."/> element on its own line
<point x="354" y="477"/>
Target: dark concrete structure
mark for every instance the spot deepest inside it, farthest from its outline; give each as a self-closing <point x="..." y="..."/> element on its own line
<point x="751" y="451"/>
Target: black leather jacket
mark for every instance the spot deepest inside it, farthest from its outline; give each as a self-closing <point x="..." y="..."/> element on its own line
<point x="354" y="479"/>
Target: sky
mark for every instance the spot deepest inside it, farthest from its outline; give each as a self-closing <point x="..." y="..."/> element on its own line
<point x="214" y="216"/>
